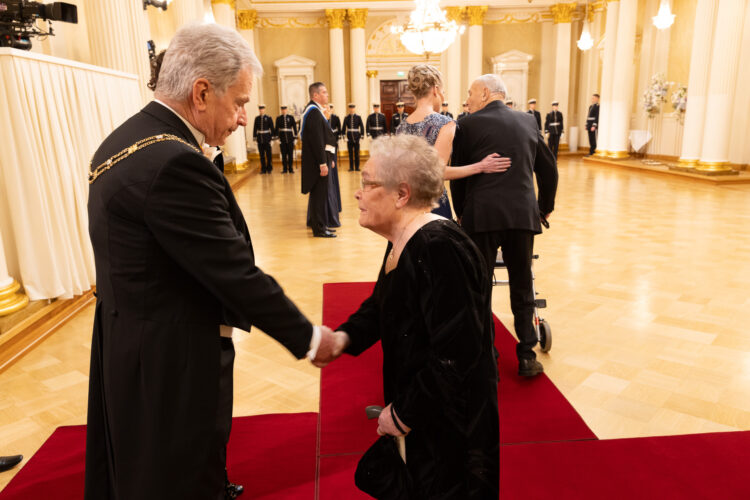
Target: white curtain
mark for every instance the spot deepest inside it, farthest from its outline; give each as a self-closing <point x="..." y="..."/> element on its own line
<point x="54" y="113"/>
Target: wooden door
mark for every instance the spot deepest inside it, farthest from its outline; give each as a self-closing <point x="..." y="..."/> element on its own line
<point x="391" y="92"/>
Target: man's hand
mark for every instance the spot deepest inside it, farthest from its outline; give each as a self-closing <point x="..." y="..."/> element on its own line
<point x="332" y="344"/>
<point x="323" y="170"/>
<point x="494" y="163"/>
<point x="386" y="425"/>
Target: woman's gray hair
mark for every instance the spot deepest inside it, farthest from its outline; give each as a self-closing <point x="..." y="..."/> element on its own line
<point x="493" y="83"/>
<point x="412" y="160"/>
<point x="208" y="51"/>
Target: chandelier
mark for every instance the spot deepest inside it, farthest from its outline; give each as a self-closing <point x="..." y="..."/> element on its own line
<point x="586" y="41"/>
<point x="664" y="18"/>
<point x="428" y="31"/>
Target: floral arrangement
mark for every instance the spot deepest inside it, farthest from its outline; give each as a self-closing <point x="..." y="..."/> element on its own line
<point x="655" y="95"/>
<point x="679" y="100"/>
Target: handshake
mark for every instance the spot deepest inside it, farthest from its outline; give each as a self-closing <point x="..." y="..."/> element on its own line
<point x="332" y="345"/>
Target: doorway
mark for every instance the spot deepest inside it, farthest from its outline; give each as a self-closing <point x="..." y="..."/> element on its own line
<point x="391" y="92"/>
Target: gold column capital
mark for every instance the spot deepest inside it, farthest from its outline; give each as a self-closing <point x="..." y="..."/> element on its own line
<point x="247" y="19"/>
<point x="357" y="17"/>
<point x="455" y="14"/>
<point x="563" y="12"/>
<point x="231" y="3"/>
<point x="372" y="73"/>
<point x="11" y="300"/>
<point x="476" y="14"/>
<point x="335" y="17"/>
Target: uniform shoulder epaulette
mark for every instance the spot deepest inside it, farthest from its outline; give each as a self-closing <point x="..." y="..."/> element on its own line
<point x="141" y="144"/>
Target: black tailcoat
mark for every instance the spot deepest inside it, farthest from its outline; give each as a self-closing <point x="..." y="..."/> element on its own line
<point x="316" y="135"/>
<point x="174" y="261"/>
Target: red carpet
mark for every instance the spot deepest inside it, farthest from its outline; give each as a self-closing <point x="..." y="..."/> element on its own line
<point x="273" y="456"/>
<point x="530" y="409"/>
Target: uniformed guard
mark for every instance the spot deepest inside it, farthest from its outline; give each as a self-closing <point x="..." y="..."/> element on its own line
<point x="376" y="122"/>
<point x="553" y="125"/>
<point x="354" y="130"/>
<point x="532" y="111"/>
<point x="286" y="131"/>
<point x="592" y="123"/>
<point x="465" y="112"/>
<point x="444" y="111"/>
<point x="398" y="117"/>
<point x="509" y="103"/>
<point x="335" y="122"/>
<point x="263" y="132"/>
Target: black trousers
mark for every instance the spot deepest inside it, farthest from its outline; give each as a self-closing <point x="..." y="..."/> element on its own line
<point x="517" y="247"/>
<point x="554" y="142"/>
<point x="226" y="383"/>
<point x="316" y="205"/>
<point x="287" y="156"/>
<point x="592" y="141"/>
<point x="265" y="157"/>
<point x="353" y="147"/>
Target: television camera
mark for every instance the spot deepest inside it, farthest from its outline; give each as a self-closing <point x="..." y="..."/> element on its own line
<point x="18" y="20"/>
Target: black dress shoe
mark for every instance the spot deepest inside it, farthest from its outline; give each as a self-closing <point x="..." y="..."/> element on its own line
<point x="324" y="234"/>
<point x="232" y="490"/>
<point x="9" y="462"/>
<point x="528" y="367"/>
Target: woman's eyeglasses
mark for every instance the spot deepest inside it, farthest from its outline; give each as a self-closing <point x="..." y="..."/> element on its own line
<point x="368" y="185"/>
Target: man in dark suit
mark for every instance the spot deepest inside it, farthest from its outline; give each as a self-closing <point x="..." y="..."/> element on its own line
<point x="263" y="132"/>
<point x="465" y="111"/>
<point x="532" y="111"/>
<point x="175" y="273"/>
<point x="592" y="123"/>
<point x="375" y="126"/>
<point x="335" y="122"/>
<point x="398" y="117"/>
<point x="501" y="210"/>
<point x="286" y="131"/>
<point x="354" y="130"/>
<point x="553" y="125"/>
<point x="444" y="110"/>
<point x="318" y="157"/>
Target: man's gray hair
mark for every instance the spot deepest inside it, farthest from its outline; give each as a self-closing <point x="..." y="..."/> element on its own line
<point x="208" y="51"/>
<point x="410" y="159"/>
<point x="493" y="83"/>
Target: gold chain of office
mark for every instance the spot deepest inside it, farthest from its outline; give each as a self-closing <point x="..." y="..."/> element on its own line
<point x="143" y="143"/>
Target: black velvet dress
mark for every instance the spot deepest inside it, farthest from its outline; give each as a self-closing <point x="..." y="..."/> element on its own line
<point x="433" y="316"/>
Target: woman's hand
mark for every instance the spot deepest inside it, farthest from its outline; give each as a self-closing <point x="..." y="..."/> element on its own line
<point x="493" y="164"/>
<point x="386" y="426"/>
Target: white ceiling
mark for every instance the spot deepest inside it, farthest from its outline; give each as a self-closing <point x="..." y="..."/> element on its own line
<point x="376" y="5"/>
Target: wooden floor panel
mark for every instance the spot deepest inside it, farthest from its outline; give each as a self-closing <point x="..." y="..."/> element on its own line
<point x="647" y="280"/>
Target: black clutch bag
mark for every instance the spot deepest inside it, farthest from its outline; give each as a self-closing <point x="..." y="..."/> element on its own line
<point x="382" y="473"/>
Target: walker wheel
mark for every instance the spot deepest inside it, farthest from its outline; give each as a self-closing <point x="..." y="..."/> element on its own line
<point x="545" y="336"/>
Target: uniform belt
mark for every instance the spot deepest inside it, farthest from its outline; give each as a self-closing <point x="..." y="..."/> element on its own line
<point x="334" y="130"/>
<point x="264" y="131"/>
<point x="555" y="123"/>
<point x="286" y="130"/>
<point x="376" y="128"/>
<point x="590" y="118"/>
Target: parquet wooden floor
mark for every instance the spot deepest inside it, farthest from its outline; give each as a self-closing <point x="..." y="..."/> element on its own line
<point x="647" y="279"/>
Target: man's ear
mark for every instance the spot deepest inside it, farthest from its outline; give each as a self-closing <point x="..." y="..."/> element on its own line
<point x="201" y="89"/>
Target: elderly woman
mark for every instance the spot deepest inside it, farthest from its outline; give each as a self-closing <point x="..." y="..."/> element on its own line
<point x="426" y="83"/>
<point x="431" y="310"/>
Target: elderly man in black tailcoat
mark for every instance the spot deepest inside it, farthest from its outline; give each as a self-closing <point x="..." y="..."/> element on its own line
<point x="501" y="210"/>
<point x="175" y="273"/>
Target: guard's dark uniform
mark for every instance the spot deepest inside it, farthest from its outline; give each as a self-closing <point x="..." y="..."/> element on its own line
<point x="592" y="121"/>
<point x="537" y="117"/>
<point x="174" y="261"/>
<point x="376" y="125"/>
<point x="263" y="132"/>
<point x="447" y="113"/>
<point x="286" y="130"/>
<point x="553" y="125"/>
<point x="335" y="122"/>
<point x="397" y="119"/>
<point x="354" y="130"/>
<point x="463" y="113"/>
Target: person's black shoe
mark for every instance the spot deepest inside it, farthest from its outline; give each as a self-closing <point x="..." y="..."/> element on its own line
<point x="9" y="462"/>
<point x="324" y="234"/>
<point x="529" y="367"/>
<point x="232" y="490"/>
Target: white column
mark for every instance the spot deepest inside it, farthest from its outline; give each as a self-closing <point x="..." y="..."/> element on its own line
<point x="118" y="31"/>
<point x="724" y="68"/>
<point x="605" y="107"/>
<point x="476" y="52"/>
<point x="563" y="15"/>
<point x="453" y="63"/>
<point x="357" y="20"/>
<point x="622" y="87"/>
<point x="10" y="300"/>
<point x="374" y="93"/>
<point x="695" y="114"/>
<point x="589" y="77"/>
<point x="236" y="144"/>
<point x="739" y="150"/>
<point x="187" y="11"/>
<point x="337" y="90"/>
<point x="246" y="21"/>
<point x="547" y="72"/>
